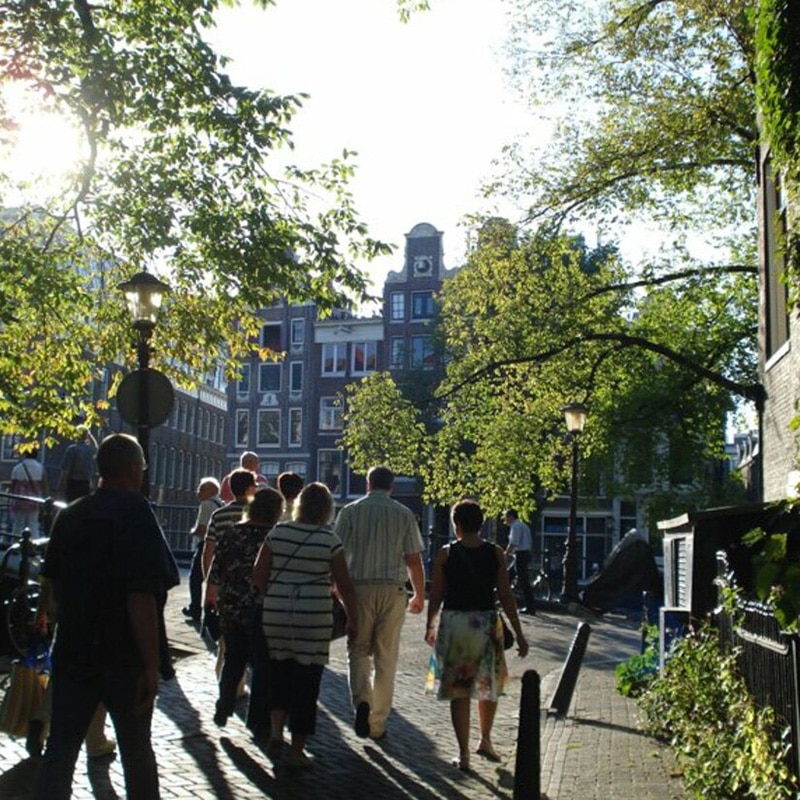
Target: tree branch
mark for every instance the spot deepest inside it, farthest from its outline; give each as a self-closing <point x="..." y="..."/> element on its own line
<point x="754" y="392"/>
<point x="695" y="272"/>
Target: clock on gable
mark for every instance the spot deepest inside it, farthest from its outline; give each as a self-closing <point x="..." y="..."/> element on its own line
<point x="423" y="266"/>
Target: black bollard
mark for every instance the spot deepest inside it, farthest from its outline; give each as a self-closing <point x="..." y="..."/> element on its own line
<point x="562" y="696"/>
<point x="528" y="765"/>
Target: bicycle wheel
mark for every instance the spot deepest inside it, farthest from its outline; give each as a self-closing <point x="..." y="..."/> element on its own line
<point x="20" y="614"/>
<point x="541" y="588"/>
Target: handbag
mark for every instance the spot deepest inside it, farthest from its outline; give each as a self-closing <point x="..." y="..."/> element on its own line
<point x="508" y="634"/>
<point x="25" y="692"/>
<point x="339" y="627"/>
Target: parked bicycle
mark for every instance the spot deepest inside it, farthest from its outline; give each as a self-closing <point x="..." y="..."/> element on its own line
<point x="540" y="581"/>
<point x="19" y="570"/>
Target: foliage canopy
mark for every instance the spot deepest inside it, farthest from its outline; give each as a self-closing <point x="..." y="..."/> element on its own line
<point x="183" y="173"/>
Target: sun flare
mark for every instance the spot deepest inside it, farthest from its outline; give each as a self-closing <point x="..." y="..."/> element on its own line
<point x="39" y="148"/>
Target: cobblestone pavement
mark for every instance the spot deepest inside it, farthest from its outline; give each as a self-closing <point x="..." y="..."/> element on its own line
<point x="596" y="751"/>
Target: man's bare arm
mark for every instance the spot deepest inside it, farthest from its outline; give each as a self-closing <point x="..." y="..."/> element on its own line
<point x="416" y="574"/>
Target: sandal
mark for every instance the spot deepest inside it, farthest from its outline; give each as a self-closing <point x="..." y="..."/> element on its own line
<point x="462" y="762"/>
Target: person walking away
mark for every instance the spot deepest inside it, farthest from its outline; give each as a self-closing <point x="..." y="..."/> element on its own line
<point x="238" y="598"/>
<point x="28" y="479"/>
<point x="77" y="467"/>
<point x="289" y="485"/>
<point x="294" y="569"/>
<point x="210" y="501"/>
<point x="520" y="544"/>
<point x="468" y="658"/>
<point x="243" y="484"/>
<point x="110" y="568"/>
<point x="249" y="461"/>
<point x="383" y="547"/>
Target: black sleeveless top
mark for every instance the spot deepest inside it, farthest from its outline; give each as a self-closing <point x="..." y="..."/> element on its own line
<point x="471" y="576"/>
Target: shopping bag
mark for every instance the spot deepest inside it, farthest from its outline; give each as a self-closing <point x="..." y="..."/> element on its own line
<point x="24" y="695"/>
<point x="339" y="628"/>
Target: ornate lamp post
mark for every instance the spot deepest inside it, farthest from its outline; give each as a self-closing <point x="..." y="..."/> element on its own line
<point x="575" y="416"/>
<point x="143" y="294"/>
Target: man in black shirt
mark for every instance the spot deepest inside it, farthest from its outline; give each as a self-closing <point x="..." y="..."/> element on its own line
<point x="109" y="568"/>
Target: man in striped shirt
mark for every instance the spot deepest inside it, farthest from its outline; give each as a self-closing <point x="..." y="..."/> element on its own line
<point x="383" y="548"/>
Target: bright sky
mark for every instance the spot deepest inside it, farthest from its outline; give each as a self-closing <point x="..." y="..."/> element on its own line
<point x="423" y="104"/>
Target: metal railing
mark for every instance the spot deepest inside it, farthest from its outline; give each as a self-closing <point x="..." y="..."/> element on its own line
<point x="176" y="521"/>
<point x="768" y="661"/>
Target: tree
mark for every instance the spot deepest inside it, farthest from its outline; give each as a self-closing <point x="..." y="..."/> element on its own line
<point x="184" y="173"/>
<point x="368" y="438"/>
<point x="655" y="109"/>
<point x="534" y="321"/>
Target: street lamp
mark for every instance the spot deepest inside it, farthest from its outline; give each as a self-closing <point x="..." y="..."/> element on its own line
<point x="575" y="416"/>
<point x="143" y="294"/>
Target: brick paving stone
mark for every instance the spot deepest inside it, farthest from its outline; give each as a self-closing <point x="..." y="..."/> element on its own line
<point x="596" y="751"/>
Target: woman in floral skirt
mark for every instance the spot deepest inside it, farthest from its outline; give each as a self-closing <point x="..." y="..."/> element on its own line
<point x="468" y="659"/>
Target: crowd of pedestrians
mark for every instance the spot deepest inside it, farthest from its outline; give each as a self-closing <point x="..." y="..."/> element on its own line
<point x="267" y="564"/>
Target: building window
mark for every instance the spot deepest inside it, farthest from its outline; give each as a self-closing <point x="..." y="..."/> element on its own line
<point x="171" y="470"/>
<point x="269" y="427"/>
<point x="421" y="305"/>
<point x="299" y="467"/>
<point x="397" y="305"/>
<point x="296" y="377"/>
<point x="243" y="384"/>
<point x="330" y="414"/>
<point x="269" y="377"/>
<point x="365" y="357"/>
<point x="298" y="333"/>
<point x="334" y="358"/>
<point x="242" y="427"/>
<point x="396" y="352"/>
<point x="271" y="337"/>
<point x="295" y="427"/>
<point x="422" y="352"/>
<point x="221" y="438"/>
<point x="329" y="468"/>
<point x="270" y="470"/>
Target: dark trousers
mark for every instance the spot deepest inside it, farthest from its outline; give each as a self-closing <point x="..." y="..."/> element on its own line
<point x="258" y="709"/>
<point x="75" y="700"/>
<point x="523" y="576"/>
<point x="196" y="581"/>
<point x="239" y="646"/>
<point x="294" y="687"/>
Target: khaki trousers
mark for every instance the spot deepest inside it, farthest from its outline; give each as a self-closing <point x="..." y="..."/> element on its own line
<point x="372" y="658"/>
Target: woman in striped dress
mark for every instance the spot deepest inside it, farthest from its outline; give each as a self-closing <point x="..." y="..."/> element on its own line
<point x="295" y="569"/>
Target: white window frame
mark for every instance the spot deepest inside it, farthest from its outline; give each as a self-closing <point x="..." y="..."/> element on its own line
<point x="412" y="362"/>
<point x="295" y="414"/>
<point x="243" y="384"/>
<point x="426" y="294"/>
<point x="331" y="412"/>
<point x="263" y="337"/>
<point x="397" y="307"/>
<point x="370" y="348"/>
<point x="295" y="366"/>
<point x="300" y="467"/>
<point x="263" y="370"/>
<point x="397" y="352"/>
<point x="336" y="490"/>
<point x="337" y="347"/>
<point x="242" y="414"/>
<point x="262" y="413"/>
<point x="297" y="334"/>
